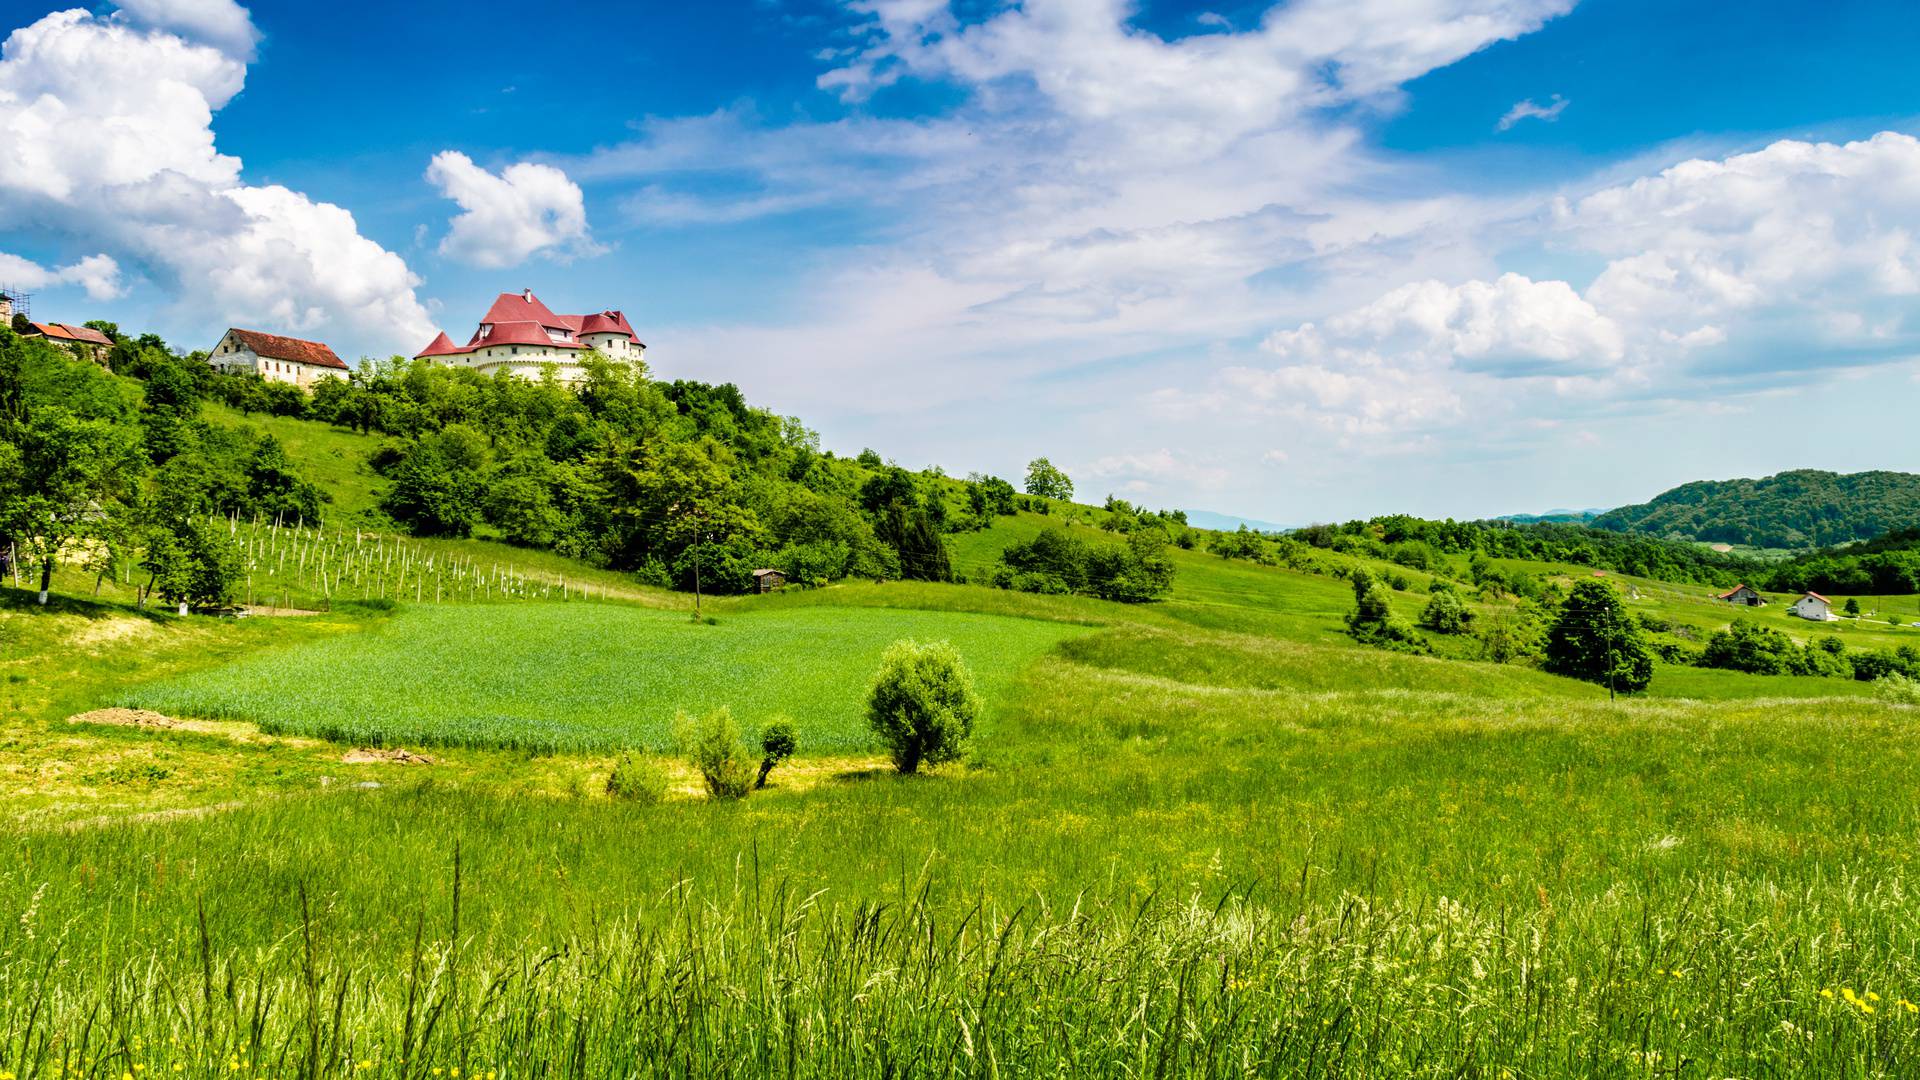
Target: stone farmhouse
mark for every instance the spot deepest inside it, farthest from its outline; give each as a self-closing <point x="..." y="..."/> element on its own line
<point x="276" y="358"/>
<point x="520" y="335"/>
<point x="1743" y="595"/>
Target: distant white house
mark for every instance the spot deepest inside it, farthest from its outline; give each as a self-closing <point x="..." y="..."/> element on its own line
<point x="1743" y="595"/>
<point x="1813" y="606"/>
<point x="276" y="358"/>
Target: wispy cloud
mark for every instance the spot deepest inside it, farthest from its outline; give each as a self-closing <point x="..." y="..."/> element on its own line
<point x="1527" y="110"/>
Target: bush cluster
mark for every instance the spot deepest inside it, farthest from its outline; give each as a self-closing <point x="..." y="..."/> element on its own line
<point x="1057" y="562"/>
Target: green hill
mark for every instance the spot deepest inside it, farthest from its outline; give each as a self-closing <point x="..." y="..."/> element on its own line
<point x="1797" y="509"/>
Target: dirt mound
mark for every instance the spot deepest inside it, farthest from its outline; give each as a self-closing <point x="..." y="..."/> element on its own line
<point x="143" y="718"/>
<point x="396" y="756"/>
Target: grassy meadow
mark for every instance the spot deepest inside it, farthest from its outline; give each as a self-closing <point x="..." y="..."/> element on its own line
<point x="569" y="677"/>
<point x="1205" y="837"/>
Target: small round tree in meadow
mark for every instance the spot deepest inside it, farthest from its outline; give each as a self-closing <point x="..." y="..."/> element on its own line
<point x="1594" y="639"/>
<point x="777" y="744"/>
<point x="922" y="705"/>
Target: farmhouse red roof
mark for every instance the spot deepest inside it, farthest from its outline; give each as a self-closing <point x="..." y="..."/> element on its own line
<point x="1818" y="597"/>
<point x="1729" y="594"/>
<point x="275" y="347"/>
<point x="63" y="332"/>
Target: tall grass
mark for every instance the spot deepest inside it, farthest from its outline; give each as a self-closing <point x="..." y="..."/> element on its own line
<point x="743" y="972"/>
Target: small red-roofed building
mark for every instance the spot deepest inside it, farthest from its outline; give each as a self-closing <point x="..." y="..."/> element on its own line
<point x="1814" y="606"/>
<point x="82" y="341"/>
<point x="276" y="358"/>
<point x="1742" y="594"/>
<point x="522" y="336"/>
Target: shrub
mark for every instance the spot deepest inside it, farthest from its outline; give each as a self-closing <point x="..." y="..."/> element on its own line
<point x="1508" y="636"/>
<point x="1749" y="647"/>
<point x="713" y="746"/>
<point x="1372" y="621"/>
<point x="1896" y="689"/>
<point x="777" y="744"/>
<point x="922" y="705"/>
<point x="1446" y="613"/>
<point x="637" y="779"/>
<point x="1057" y="563"/>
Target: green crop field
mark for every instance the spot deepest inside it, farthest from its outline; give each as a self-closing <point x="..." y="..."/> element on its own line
<point x="555" y="676"/>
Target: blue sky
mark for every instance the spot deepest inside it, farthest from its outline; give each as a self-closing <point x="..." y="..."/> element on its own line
<point x="1299" y="261"/>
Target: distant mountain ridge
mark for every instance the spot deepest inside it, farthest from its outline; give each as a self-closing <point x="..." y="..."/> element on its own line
<point x="1208" y="519"/>
<point x="1577" y="517"/>
<point x="1796" y="509"/>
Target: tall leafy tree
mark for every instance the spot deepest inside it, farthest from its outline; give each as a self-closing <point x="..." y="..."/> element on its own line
<point x="1593" y="638"/>
<point x="1046" y="481"/>
<point x="60" y="481"/>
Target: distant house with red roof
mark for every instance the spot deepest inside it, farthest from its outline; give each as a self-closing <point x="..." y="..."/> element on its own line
<point x="1743" y="595"/>
<point x="520" y="335"/>
<point x="1813" y="606"/>
<point x="83" y="341"/>
<point x="276" y="358"/>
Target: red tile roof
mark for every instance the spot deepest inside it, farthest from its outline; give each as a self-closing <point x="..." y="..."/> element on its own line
<point x="86" y="335"/>
<point x="521" y="319"/>
<point x="1818" y="597"/>
<point x="1728" y="595"/>
<point x="523" y="307"/>
<point x="275" y="347"/>
<point x="440" y="346"/>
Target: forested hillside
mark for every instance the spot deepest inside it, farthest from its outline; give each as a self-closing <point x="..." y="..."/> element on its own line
<point x="675" y="483"/>
<point x="1797" y="509"/>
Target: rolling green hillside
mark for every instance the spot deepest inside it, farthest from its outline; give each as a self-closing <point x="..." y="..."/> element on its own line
<point x="1799" y="509"/>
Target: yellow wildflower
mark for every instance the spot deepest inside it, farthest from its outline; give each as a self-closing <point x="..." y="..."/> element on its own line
<point x="1826" y="993"/>
<point x="1865" y="1008"/>
<point x="1847" y="992"/>
<point x="1871" y="996"/>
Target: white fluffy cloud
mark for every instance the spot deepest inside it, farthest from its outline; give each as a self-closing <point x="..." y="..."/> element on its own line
<point x="106" y="139"/>
<point x="1820" y="237"/>
<point x="1512" y="325"/>
<point x="99" y="275"/>
<point x="507" y="218"/>
<point x="221" y="23"/>
<point x="1774" y="267"/>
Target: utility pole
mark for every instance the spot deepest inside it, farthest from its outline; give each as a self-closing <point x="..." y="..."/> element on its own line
<point x="696" y="575"/>
<point x="1606" y="613"/>
<point x="699" y="535"/>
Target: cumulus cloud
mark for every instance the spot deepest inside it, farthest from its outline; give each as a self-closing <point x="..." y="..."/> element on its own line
<point x="99" y="275"/>
<point x="1760" y="270"/>
<point x="1527" y="110"/>
<point x="221" y="23"/>
<point x="1512" y="325"/>
<point x="1798" y="250"/>
<point x="106" y="140"/>
<point x="508" y="217"/>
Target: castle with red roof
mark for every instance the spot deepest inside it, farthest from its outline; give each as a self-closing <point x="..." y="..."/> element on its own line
<point x="518" y="334"/>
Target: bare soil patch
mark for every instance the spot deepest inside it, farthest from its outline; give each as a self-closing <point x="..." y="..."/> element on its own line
<point x="140" y="718"/>
<point x="262" y="611"/>
<point x="375" y="756"/>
